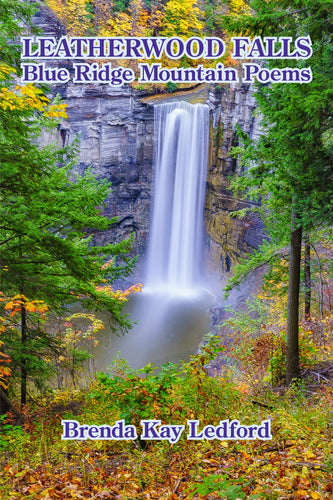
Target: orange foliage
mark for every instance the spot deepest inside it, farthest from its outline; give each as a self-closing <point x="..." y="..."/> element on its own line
<point x="5" y="371"/>
<point x="13" y="305"/>
<point x="16" y="303"/>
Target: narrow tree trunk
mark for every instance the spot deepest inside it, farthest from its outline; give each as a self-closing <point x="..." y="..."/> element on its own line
<point x="73" y="369"/>
<point x="307" y="278"/>
<point x="95" y="19"/>
<point x="292" y="364"/>
<point x="321" y="293"/>
<point x="24" y="336"/>
<point x="5" y="404"/>
<point x="23" y="361"/>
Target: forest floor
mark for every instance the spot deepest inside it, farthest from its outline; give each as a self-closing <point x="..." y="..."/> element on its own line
<point x="296" y="463"/>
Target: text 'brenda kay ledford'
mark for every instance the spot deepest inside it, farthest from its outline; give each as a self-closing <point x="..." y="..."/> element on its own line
<point x="153" y="430"/>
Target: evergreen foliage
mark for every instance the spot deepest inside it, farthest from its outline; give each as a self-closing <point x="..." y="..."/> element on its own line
<point x="290" y="166"/>
<point x="48" y="214"/>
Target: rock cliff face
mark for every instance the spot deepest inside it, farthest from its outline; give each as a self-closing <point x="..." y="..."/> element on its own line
<point x="116" y="140"/>
<point x="227" y="237"/>
<point x="115" y="133"/>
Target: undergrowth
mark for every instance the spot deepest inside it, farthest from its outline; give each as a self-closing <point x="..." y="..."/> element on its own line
<point x="296" y="464"/>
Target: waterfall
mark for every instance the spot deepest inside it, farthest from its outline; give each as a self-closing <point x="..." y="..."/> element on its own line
<point x="170" y="314"/>
<point x="175" y="244"/>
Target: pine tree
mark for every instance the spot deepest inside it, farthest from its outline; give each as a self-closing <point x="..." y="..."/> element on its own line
<point x="291" y="164"/>
<point x="48" y="215"/>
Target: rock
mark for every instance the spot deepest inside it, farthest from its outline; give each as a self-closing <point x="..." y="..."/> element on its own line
<point x="229" y="238"/>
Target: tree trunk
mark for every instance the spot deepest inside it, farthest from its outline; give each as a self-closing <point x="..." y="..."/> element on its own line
<point x="292" y="368"/>
<point x="307" y="278"/>
<point x="24" y="336"/>
<point x="23" y="361"/>
<point x="6" y="404"/>
<point x="4" y="401"/>
<point x="96" y="18"/>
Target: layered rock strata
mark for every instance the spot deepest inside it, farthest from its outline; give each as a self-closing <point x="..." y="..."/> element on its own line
<point x="228" y="237"/>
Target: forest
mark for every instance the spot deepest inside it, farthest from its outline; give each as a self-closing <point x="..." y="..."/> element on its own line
<point x="272" y="359"/>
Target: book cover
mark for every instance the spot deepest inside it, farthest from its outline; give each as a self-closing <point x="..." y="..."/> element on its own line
<point x="166" y="315"/>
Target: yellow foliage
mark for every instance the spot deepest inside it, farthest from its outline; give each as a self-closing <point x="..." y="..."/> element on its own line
<point x="120" y="25"/>
<point x="133" y="22"/>
<point x="182" y="18"/>
<point x="5" y="70"/>
<point x="28" y="98"/>
<point x="75" y="333"/>
<point x="177" y="17"/>
<point x="120" y="294"/>
<point x="56" y="111"/>
<point x="72" y="14"/>
<point x="237" y="7"/>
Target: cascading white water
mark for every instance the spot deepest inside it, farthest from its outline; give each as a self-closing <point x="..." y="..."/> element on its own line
<point x="175" y="244"/>
<point x="170" y="315"/>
